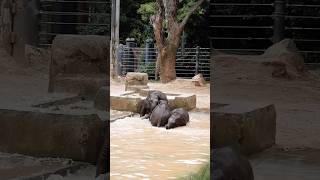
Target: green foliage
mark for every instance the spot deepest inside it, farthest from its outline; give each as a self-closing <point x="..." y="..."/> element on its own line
<point x="196" y="29"/>
<point x="135" y="21"/>
<point x="202" y="174"/>
<point x="184" y="7"/>
<point x="131" y="24"/>
<point x="147" y="68"/>
<point x="147" y="10"/>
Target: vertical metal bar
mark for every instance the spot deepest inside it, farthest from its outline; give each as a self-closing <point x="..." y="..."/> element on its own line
<point x="112" y="60"/>
<point x="115" y="13"/>
<point x="183" y="43"/>
<point x="117" y="23"/>
<point x="197" y="59"/>
<point x="155" y="66"/>
<point x="279" y="24"/>
<point x="12" y="34"/>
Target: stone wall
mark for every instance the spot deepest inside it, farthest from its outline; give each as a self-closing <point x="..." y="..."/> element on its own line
<point x="41" y="134"/>
<point x="79" y="64"/>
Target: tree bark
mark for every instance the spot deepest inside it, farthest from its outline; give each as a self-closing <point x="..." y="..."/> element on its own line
<point x="167" y="62"/>
<point x="168" y="45"/>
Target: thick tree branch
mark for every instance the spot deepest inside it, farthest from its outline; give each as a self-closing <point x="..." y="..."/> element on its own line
<point x="189" y="13"/>
<point x="157" y="23"/>
<point x="171" y="7"/>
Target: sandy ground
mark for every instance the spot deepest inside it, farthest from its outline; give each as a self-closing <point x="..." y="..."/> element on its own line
<point x="297" y="103"/>
<point x="16" y="165"/>
<point x="298" y="126"/>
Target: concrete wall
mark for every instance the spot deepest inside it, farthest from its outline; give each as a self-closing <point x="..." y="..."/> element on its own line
<point x="252" y="128"/>
<point x="39" y="134"/>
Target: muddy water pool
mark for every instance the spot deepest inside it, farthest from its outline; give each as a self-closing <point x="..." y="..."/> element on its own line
<point x="140" y="151"/>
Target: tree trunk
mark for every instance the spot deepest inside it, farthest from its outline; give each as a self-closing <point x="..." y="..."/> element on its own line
<point x="168" y="45"/>
<point x="167" y="65"/>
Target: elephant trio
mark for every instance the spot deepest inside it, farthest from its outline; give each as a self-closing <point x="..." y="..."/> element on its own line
<point x="156" y="108"/>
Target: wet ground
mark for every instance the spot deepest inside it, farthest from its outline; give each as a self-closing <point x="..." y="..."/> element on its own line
<point x="16" y="166"/>
<point x="140" y="151"/>
<point x="87" y="173"/>
<point x="283" y="164"/>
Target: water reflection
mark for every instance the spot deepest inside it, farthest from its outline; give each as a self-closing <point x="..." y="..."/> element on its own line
<point x="140" y="151"/>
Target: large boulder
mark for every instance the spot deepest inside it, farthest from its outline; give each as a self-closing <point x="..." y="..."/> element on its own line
<point x="78" y="60"/>
<point x="280" y="61"/>
<point x="286" y="51"/>
<point x="79" y="54"/>
<point x="250" y="127"/>
<point x="136" y="80"/>
<point x="285" y="59"/>
<point x="199" y="80"/>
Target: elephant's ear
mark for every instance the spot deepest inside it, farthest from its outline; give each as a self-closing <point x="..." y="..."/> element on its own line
<point x="141" y="108"/>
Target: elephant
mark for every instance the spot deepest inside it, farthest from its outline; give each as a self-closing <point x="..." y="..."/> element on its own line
<point x="228" y="164"/>
<point x="179" y="117"/>
<point x="154" y="97"/>
<point x="146" y="107"/>
<point x="160" y="114"/>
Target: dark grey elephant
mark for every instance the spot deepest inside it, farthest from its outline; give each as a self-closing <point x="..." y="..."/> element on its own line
<point x="145" y="108"/>
<point x="152" y="100"/>
<point x="179" y="117"/>
<point x="160" y="114"/>
<point x="154" y="97"/>
<point x="228" y="164"/>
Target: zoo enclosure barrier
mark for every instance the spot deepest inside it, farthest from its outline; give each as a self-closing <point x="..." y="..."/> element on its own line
<point x="74" y="17"/>
<point x="250" y="27"/>
<point x="189" y="61"/>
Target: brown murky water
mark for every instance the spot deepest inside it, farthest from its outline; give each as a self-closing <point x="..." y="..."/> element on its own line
<point x="140" y="151"/>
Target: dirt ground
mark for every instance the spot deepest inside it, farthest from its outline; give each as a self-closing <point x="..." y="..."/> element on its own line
<point x="297" y="102"/>
<point x="297" y="105"/>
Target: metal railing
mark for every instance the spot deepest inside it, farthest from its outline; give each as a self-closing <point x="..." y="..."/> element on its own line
<point x="72" y="17"/>
<point x="189" y="61"/>
<point x="250" y="28"/>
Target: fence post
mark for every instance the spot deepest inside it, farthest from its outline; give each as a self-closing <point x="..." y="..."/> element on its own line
<point x="148" y="50"/>
<point x="130" y="43"/>
<point x="155" y="66"/>
<point x="183" y="43"/>
<point x="119" y="60"/>
<point x="197" y="59"/>
<point x="279" y="21"/>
